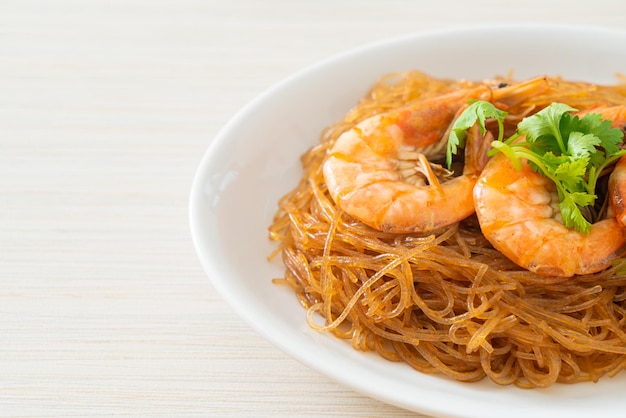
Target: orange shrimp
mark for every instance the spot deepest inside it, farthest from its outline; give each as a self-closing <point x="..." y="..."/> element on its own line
<point x="383" y="171"/>
<point x="518" y="213"/>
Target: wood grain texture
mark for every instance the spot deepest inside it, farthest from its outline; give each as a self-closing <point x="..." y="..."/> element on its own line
<point x="106" y="108"/>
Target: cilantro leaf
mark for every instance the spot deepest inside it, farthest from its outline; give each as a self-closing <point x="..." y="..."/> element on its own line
<point x="580" y="145"/>
<point x="551" y="161"/>
<point x="570" y="210"/>
<point x="545" y="125"/>
<point x="477" y="112"/>
<point x="570" y="151"/>
<point x="610" y="138"/>
<point x="571" y="174"/>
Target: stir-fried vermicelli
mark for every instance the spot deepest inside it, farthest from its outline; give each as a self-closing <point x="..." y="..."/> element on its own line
<point x="441" y="298"/>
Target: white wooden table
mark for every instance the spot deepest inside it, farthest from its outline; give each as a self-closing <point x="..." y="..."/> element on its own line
<point x="106" y="108"/>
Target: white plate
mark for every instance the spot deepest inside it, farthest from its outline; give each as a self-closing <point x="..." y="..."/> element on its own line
<point x="255" y="160"/>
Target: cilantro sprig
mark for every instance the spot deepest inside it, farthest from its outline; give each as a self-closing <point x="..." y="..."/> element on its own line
<point x="478" y="111"/>
<point x="570" y="151"/>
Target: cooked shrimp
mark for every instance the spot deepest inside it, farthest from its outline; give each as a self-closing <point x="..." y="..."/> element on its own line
<point x="518" y="213"/>
<point x="383" y="171"/>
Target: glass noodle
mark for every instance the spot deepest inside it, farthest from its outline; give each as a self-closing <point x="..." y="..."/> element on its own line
<point x="446" y="302"/>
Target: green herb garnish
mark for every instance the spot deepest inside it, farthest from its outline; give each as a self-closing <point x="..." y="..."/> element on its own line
<point x="570" y="151"/>
<point x="477" y="111"/>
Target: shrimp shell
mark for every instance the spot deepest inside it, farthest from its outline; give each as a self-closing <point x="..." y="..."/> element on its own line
<point x="370" y="180"/>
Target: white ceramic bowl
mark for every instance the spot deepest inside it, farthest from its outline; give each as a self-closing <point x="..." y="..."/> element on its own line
<point x="255" y="159"/>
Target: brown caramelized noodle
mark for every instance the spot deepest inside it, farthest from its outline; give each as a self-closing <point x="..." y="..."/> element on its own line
<point x="447" y="302"/>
